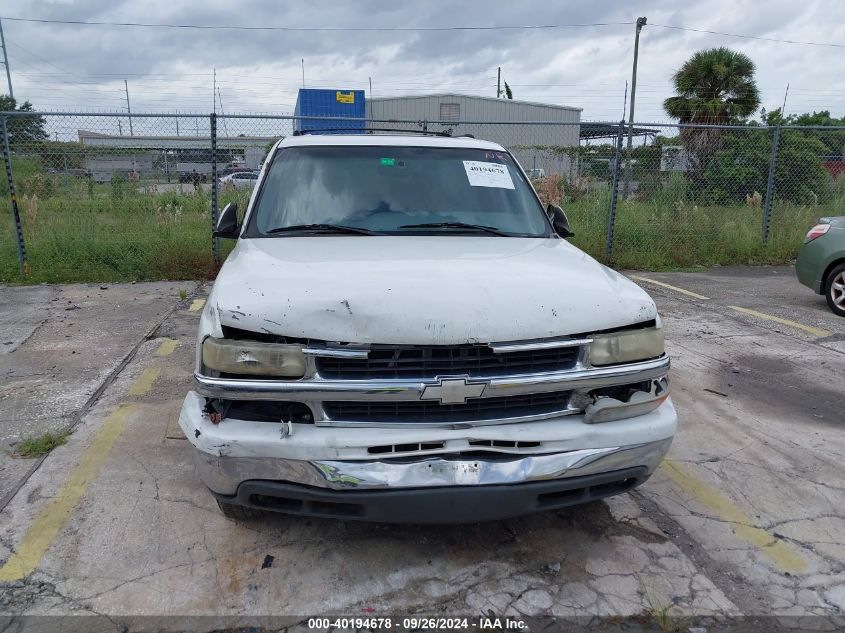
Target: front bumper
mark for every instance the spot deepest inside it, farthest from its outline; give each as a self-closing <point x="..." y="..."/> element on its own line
<point x="437" y="506"/>
<point x="317" y="465"/>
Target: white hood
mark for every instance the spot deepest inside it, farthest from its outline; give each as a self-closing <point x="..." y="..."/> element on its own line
<point x="421" y="289"/>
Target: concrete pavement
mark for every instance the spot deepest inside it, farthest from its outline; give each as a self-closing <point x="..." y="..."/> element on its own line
<point x="744" y="519"/>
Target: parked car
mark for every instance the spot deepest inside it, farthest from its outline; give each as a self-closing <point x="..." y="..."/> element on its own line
<point x="821" y="262"/>
<point x="402" y="333"/>
<point x="240" y="179"/>
<point x="536" y="173"/>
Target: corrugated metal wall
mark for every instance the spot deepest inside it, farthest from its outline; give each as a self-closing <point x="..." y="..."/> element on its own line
<point x="526" y="142"/>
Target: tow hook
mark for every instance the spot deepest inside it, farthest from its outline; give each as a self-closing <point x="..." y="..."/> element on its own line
<point x="287" y="428"/>
<point x="212" y="408"/>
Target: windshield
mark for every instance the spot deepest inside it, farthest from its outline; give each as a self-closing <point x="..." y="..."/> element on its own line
<point x="395" y="190"/>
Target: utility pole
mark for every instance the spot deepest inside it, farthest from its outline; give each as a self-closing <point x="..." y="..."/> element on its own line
<point x="128" y="110"/>
<point x="177" y="122"/>
<point x="783" y="107"/>
<point x="641" y="22"/>
<point x="499" y="83"/>
<point x="222" y="113"/>
<point x="303" y="72"/>
<point x="214" y="92"/>
<point x="371" y="87"/>
<point x="6" y="60"/>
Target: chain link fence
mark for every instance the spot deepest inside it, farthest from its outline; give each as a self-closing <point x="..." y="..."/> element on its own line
<point x="108" y="197"/>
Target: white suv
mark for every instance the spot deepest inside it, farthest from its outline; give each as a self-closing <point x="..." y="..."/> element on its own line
<point x="403" y="334"/>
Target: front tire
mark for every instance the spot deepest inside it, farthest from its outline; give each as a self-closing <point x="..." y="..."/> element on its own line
<point x="238" y="513"/>
<point x="834" y="290"/>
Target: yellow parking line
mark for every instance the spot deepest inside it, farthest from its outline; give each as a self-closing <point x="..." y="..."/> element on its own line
<point x="675" y="288"/>
<point x="777" y="551"/>
<point x="800" y="326"/>
<point x="167" y="346"/>
<point x="50" y="520"/>
<point x="144" y="382"/>
<point x="197" y="305"/>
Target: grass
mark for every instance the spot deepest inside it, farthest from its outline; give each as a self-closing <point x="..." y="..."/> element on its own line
<point x="662" y="614"/>
<point x="683" y="236"/>
<point x="119" y="234"/>
<point x="102" y="238"/>
<point x="41" y="445"/>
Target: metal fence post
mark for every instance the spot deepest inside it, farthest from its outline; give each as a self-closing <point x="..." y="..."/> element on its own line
<point x="770" y="185"/>
<point x="215" y="242"/>
<point x="7" y="158"/>
<point x="614" y="192"/>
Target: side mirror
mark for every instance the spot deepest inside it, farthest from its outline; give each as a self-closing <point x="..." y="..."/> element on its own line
<point x="560" y="223"/>
<point x="227" y="224"/>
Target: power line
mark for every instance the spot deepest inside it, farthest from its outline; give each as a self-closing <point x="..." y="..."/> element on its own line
<point x="317" y="28"/>
<point x="748" y="37"/>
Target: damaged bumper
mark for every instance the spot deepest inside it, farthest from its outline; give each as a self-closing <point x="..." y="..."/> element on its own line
<point x="515" y="469"/>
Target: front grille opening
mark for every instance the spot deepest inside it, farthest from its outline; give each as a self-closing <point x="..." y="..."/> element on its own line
<point x="561" y="497"/>
<point x="386" y="362"/>
<point x="613" y="487"/>
<point x="503" y="444"/>
<point x="263" y="411"/>
<point x="422" y="412"/>
<point x="288" y="504"/>
<point x="405" y="448"/>
<point x="284" y="504"/>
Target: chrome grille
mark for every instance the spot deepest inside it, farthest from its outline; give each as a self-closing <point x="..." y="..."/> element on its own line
<point x="430" y="362"/>
<point x="474" y="410"/>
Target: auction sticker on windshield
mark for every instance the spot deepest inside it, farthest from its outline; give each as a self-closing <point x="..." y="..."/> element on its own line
<point x="483" y="174"/>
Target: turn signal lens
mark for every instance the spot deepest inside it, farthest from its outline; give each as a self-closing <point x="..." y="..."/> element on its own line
<point x="251" y="358"/>
<point x="816" y="231"/>
<point x="626" y="346"/>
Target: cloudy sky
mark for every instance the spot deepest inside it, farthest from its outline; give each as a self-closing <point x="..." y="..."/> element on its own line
<point x="71" y="67"/>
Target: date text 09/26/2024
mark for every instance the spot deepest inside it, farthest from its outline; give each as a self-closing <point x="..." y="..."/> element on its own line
<point x="415" y="623"/>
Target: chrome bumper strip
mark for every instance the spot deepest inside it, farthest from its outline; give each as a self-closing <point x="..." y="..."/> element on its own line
<point x="224" y="474"/>
<point x="317" y="389"/>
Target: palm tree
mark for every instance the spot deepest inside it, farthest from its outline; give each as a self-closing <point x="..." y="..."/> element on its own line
<point x="715" y="86"/>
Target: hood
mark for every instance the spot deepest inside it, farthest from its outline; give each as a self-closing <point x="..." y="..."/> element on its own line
<point x="432" y="290"/>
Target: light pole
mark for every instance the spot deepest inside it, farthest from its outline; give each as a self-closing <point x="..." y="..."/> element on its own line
<point x="641" y="22"/>
<point x="6" y="60"/>
<point x="128" y="110"/>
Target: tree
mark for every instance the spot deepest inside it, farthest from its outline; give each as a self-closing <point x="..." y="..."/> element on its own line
<point x="508" y="93"/>
<point x="714" y="87"/>
<point x="22" y="129"/>
<point x="834" y="139"/>
<point x="741" y="167"/>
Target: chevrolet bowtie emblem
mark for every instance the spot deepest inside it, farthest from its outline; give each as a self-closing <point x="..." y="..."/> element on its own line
<point x="453" y="390"/>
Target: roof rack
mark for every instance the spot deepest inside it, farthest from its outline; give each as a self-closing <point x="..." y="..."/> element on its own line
<point x="374" y="129"/>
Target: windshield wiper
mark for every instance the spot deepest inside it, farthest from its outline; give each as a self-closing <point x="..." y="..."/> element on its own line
<point x="322" y="228"/>
<point x="455" y="225"/>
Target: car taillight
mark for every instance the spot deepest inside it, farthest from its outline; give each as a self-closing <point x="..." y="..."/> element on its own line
<point x="816" y="231"/>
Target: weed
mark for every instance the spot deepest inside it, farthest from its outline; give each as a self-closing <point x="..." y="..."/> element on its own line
<point x="123" y="231"/>
<point x="183" y="294"/>
<point x="42" y="444"/>
<point x="662" y="613"/>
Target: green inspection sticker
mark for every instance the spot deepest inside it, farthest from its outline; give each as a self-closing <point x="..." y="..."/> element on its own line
<point x="389" y="162"/>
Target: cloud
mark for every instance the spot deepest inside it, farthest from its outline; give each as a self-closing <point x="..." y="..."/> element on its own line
<point x="83" y="67"/>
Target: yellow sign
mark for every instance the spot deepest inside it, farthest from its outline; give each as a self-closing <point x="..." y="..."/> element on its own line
<point x="345" y="97"/>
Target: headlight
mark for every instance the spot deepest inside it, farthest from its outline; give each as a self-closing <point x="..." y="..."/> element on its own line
<point x="626" y="346"/>
<point x="252" y="358"/>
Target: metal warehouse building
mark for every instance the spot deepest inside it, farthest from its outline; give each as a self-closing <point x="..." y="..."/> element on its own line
<point x="532" y="144"/>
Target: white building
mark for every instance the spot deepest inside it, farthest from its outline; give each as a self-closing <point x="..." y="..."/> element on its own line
<point x="511" y="123"/>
